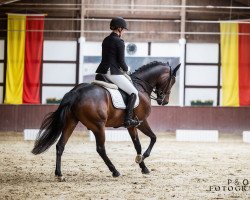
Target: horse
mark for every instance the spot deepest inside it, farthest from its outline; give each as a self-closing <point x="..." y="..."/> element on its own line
<point x="91" y="105"/>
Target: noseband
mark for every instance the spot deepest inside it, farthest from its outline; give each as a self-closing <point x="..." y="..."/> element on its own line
<point x="161" y="94"/>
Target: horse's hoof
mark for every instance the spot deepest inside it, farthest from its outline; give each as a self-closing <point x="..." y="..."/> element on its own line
<point x="145" y="171"/>
<point x="116" y="174"/>
<point x="60" y="179"/>
<point x="139" y="158"/>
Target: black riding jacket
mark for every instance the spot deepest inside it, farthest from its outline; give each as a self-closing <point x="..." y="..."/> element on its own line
<point x="113" y="55"/>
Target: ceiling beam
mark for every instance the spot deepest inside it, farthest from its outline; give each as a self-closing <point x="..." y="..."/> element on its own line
<point x="3" y="2"/>
<point x="243" y="2"/>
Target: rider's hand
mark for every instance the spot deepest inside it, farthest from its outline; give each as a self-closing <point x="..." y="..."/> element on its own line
<point x="128" y="72"/>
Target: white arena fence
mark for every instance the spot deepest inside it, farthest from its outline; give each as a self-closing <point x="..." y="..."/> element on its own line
<point x="246" y="136"/>
<point x="197" y="135"/>
<point x="30" y="134"/>
<point x="123" y="135"/>
<point x="113" y="135"/>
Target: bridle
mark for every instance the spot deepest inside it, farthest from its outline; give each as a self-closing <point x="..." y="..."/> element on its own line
<point x="160" y="93"/>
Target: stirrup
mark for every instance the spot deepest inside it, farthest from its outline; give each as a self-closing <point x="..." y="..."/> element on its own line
<point x="131" y="122"/>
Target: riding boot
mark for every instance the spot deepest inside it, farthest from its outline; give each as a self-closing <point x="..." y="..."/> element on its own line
<point x="129" y="121"/>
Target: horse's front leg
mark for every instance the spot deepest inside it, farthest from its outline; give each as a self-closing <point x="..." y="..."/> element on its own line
<point x="144" y="127"/>
<point x="139" y="159"/>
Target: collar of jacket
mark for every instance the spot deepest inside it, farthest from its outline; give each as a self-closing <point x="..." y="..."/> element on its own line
<point x="114" y="34"/>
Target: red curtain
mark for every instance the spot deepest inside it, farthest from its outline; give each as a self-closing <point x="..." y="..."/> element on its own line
<point x="33" y="57"/>
<point x="244" y="65"/>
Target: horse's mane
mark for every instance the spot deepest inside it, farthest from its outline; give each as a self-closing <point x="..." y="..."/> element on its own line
<point x="149" y="66"/>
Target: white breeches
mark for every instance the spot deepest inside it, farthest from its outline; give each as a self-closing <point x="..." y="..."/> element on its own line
<point x="123" y="83"/>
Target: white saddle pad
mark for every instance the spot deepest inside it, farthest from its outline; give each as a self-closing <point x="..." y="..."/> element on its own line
<point x="117" y="99"/>
<point x="116" y="96"/>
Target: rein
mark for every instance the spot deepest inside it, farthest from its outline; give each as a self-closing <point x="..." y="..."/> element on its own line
<point x="158" y="92"/>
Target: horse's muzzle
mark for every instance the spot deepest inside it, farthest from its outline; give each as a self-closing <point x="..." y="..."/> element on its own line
<point x="165" y="103"/>
<point x="162" y="103"/>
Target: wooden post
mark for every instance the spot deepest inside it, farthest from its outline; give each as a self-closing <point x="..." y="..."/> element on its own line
<point x="132" y="6"/>
<point x="183" y="18"/>
<point x="82" y="18"/>
<point x="182" y="43"/>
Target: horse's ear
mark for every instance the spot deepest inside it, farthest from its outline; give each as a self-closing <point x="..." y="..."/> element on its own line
<point x="176" y="69"/>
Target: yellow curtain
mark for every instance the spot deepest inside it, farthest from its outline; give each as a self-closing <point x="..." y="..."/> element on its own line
<point x="15" y="59"/>
<point x="229" y="62"/>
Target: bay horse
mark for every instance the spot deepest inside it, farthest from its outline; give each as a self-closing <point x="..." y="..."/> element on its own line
<point x="91" y="105"/>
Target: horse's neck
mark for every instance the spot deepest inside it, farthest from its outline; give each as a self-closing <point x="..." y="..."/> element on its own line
<point x="149" y="81"/>
<point x="151" y="78"/>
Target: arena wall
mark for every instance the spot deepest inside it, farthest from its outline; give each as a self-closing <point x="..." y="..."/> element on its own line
<point x="168" y="118"/>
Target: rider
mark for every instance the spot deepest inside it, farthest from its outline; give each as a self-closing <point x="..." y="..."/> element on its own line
<point x="113" y="61"/>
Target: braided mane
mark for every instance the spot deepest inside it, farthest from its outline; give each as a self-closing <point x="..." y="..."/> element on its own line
<point x="149" y="66"/>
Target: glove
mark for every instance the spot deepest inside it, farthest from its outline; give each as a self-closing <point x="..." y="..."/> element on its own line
<point x="127" y="76"/>
<point x="128" y="72"/>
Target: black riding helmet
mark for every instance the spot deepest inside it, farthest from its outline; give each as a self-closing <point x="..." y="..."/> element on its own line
<point x="118" y="22"/>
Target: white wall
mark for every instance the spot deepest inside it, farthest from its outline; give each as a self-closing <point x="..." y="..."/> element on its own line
<point x="59" y="50"/>
<point x="165" y="49"/>
<point x="1" y="72"/>
<point x="89" y="49"/>
<point x="54" y="92"/>
<point x="202" y="53"/>
<point x="58" y="73"/>
<point x="92" y="49"/>
<point x="1" y="49"/>
<point x="200" y="94"/>
<point x="1" y="94"/>
<point x="141" y="51"/>
<point x="201" y="75"/>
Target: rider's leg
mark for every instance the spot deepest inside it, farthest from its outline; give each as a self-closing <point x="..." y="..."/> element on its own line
<point x="129" y="121"/>
<point x="123" y="83"/>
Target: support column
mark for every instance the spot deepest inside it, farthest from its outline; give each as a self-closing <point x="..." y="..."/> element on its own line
<point x="182" y="42"/>
<point x="183" y="18"/>
<point x="82" y="18"/>
<point x="81" y="42"/>
<point x="132" y="6"/>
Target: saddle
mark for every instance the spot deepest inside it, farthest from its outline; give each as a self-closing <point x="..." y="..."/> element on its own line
<point x="114" y="91"/>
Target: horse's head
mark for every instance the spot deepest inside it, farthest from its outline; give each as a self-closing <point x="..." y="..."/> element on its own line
<point x="164" y="85"/>
<point x="156" y="77"/>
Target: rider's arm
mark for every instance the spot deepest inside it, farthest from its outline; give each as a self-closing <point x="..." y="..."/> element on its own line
<point x="121" y="55"/>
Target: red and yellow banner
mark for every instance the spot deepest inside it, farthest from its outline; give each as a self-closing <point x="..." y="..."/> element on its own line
<point x="24" y="55"/>
<point x="235" y="62"/>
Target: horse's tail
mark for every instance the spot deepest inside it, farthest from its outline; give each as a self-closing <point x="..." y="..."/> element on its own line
<point x="53" y="124"/>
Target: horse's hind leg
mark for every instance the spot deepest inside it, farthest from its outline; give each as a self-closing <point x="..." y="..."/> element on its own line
<point x="100" y="148"/>
<point x="66" y="133"/>
<point x="139" y="159"/>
